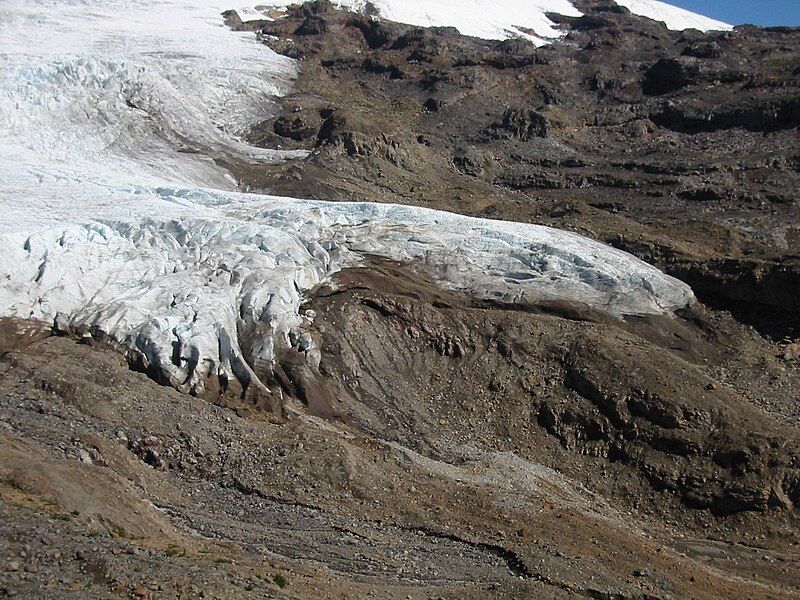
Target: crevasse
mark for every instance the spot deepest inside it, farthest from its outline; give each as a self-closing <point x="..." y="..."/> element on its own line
<point x="117" y="219"/>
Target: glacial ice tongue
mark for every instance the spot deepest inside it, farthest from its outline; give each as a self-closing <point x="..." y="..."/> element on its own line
<point x="116" y="219"/>
<point x="184" y="291"/>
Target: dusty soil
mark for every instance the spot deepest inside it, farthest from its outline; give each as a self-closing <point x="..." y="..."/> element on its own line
<point x="442" y="449"/>
<point x="447" y="448"/>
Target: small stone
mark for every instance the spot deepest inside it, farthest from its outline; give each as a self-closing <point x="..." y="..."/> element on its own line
<point x="13" y="566"/>
<point x="792" y="351"/>
<point x="641" y="573"/>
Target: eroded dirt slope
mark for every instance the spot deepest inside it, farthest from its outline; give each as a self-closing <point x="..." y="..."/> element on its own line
<point x="443" y="447"/>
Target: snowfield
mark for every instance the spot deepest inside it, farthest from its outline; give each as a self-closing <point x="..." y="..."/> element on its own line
<point x="672" y="16"/>
<point x="502" y="19"/>
<point x="487" y="19"/>
<point x="115" y="217"/>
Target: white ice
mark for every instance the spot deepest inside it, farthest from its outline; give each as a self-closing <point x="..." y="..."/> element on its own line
<point x="502" y="19"/>
<point x="672" y="16"/>
<point x="116" y="217"/>
<point x="487" y="19"/>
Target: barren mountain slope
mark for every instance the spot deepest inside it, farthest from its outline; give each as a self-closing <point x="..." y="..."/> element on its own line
<point x="680" y="147"/>
<point x="429" y="420"/>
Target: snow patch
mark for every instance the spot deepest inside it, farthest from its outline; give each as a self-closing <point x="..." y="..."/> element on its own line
<point x="248" y="14"/>
<point x="486" y="19"/>
<point x="673" y="17"/>
<point x="503" y="19"/>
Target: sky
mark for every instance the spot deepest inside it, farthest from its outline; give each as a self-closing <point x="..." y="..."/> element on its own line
<point x="736" y="12"/>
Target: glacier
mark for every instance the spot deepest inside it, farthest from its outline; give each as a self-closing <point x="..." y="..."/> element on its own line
<point x="118" y="219"/>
